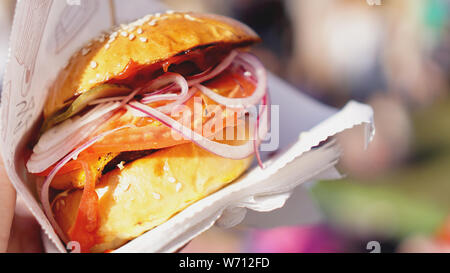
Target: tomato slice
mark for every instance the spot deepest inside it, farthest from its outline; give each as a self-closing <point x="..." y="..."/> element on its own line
<point x="84" y="229"/>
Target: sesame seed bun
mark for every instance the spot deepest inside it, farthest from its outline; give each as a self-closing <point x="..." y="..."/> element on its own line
<point x="147" y="41"/>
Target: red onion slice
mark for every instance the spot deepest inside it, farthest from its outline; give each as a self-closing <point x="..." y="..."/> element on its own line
<point x="46" y="185"/>
<point x="173" y="87"/>
<point x="240" y="67"/>
<point x="261" y="131"/>
<point x="258" y="93"/>
<point x="135" y="112"/>
<point x="62" y="131"/>
<point x="165" y="108"/>
<point x="217" y="70"/>
<point x="223" y="150"/>
<point x="61" y="139"/>
<point x="164" y="80"/>
<point x="169" y="107"/>
<point x="168" y="88"/>
<point x="199" y="75"/>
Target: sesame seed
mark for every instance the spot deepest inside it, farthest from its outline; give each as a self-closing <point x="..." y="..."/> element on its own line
<point x="156" y="195"/>
<point x="152" y="22"/>
<point x="145" y="19"/>
<point x="170" y="11"/>
<point x="107" y="46"/>
<point x="124" y="33"/>
<point x="171" y="179"/>
<point x="93" y="64"/>
<point x="143" y="39"/>
<point x="178" y="187"/>
<point x="139" y="23"/>
<point x="187" y="16"/>
<point x="89" y="44"/>
<point x="166" y="167"/>
<point x="131" y="37"/>
<point x="157" y="14"/>
<point x="85" y="51"/>
<point x="139" y="31"/>
<point x="120" y="165"/>
<point x="131" y="29"/>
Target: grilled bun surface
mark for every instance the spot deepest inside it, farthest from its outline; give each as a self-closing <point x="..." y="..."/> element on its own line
<point x="150" y="190"/>
<point x="147" y="41"/>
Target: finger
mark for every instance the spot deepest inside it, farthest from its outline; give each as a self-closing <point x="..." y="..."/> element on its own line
<point x="25" y="234"/>
<point x="7" y="205"/>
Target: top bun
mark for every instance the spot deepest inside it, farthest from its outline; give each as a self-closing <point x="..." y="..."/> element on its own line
<point x="146" y="41"/>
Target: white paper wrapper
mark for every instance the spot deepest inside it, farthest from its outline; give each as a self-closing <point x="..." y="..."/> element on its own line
<point x="46" y="33"/>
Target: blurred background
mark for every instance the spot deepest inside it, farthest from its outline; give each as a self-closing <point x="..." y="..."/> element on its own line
<point x="395" y="57"/>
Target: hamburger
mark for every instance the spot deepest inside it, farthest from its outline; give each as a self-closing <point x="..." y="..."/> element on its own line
<point x="146" y="120"/>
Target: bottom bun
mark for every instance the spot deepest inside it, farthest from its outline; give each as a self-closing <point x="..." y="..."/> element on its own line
<point x="150" y="190"/>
